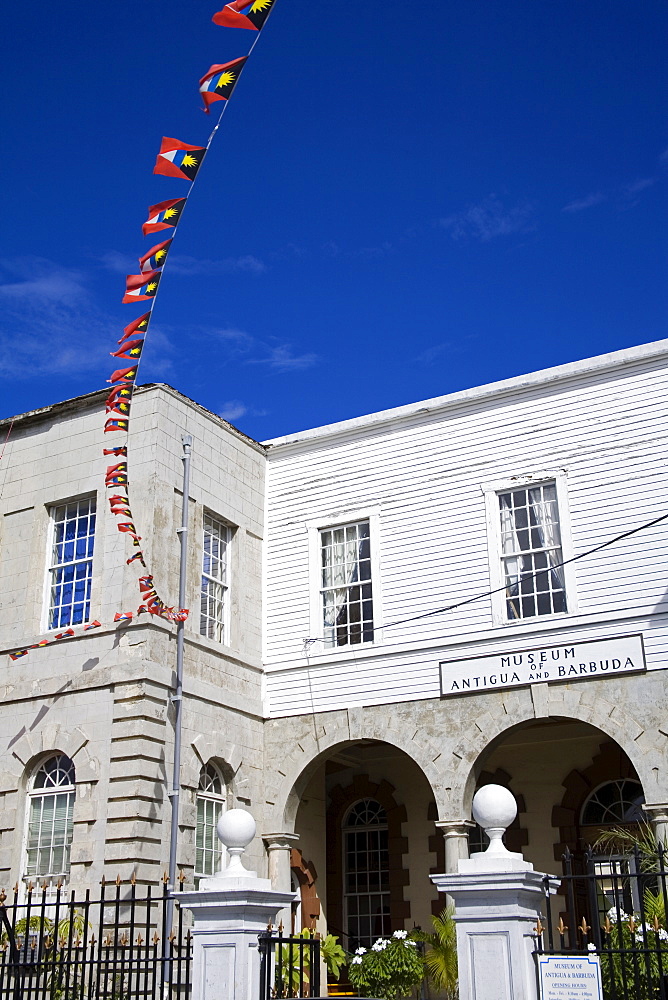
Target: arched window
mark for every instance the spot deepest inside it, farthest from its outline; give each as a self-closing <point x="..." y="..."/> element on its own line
<point x="366" y="876"/>
<point x="50" y="809"/>
<point x="614" y="802"/>
<point x="211" y="801"/>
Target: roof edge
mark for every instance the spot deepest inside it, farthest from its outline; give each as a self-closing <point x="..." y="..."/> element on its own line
<point x="490" y="390"/>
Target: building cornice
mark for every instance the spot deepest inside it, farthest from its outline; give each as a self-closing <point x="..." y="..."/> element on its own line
<point x="546" y="377"/>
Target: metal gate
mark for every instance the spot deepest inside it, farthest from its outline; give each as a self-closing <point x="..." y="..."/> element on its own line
<point x="289" y="966"/>
<point x="57" y="946"/>
<point x="614" y="907"/>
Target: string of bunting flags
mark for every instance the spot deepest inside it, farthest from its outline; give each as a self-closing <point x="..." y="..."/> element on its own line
<point x="175" y="159"/>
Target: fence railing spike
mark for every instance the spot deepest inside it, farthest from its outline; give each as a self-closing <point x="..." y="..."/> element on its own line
<point x="118" y="879"/>
<point x="3" y="897"/>
<point x="584" y="927"/>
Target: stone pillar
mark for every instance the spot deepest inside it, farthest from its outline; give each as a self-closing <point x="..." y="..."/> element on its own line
<point x="658" y="817"/>
<point x="498" y="899"/>
<point x="229" y="911"/>
<point x="278" y="847"/>
<point x="456" y="834"/>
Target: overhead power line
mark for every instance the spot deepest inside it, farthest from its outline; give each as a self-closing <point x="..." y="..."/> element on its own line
<point x="527" y="575"/>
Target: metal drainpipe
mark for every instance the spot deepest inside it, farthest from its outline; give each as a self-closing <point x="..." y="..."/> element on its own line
<point x="177" y="701"/>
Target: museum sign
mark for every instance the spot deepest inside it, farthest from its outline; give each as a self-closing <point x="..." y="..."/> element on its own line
<point x="568" y="662"/>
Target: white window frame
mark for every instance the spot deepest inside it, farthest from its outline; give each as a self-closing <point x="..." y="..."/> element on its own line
<point x="317" y="627"/>
<point x="52" y="566"/>
<point x="32" y="796"/>
<point x="223" y="625"/>
<point x="216" y="799"/>
<point x="491" y="493"/>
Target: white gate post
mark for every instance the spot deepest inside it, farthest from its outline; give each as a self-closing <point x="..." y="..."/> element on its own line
<point x="229" y="911"/>
<point x="498" y="900"/>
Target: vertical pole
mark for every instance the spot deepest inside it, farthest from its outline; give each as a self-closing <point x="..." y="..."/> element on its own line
<point x="177" y="701"/>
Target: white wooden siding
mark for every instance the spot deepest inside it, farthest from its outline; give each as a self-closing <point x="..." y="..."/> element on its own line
<point x="425" y="474"/>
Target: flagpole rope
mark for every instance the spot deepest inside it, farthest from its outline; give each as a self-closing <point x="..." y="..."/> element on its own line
<point x="133" y="384"/>
<point x="3" y="449"/>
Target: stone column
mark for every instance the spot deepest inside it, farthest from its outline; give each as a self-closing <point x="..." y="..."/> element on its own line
<point x="658" y="817"/>
<point x="278" y="847"/>
<point x="456" y="833"/>
<point x="498" y="899"/>
<point x="229" y="912"/>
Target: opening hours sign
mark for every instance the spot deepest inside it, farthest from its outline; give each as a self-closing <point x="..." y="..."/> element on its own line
<point x="569" y="977"/>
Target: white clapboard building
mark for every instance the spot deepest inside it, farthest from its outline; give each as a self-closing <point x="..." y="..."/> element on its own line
<point x="388" y="612"/>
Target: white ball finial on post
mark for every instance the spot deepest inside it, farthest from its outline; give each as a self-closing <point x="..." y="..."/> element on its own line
<point x="494" y="808"/>
<point x="235" y="829"/>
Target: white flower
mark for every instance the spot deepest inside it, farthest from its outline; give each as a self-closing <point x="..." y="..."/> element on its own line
<point x="360" y="951"/>
<point x="591" y="947"/>
<point x="379" y="945"/>
<point x="400" y="934"/>
<point x="410" y="944"/>
<point x="663" y="935"/>
<point x="357" y="960"/>
<point x="613" y="913"/>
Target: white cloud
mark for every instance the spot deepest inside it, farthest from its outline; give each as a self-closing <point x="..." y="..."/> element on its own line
<point x="640" y="185"/>
<point x="253" y="351"/>
<point x="233" y="409"/>
<point x="580" y="204"/>
<point x="488" y="220"/>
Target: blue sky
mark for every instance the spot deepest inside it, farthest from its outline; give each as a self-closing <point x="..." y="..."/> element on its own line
<point x="403" y="200"/>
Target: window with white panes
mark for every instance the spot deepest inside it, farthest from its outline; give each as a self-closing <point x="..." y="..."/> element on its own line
<point x="214" y="592"/>
<point x="345" y="584"/>
<point x="366" y="867"/>
<point x="531" y="552"/>
<point x="51" y="798"/>
<point x="71" y="563"/>
<point x="211" y="802"/>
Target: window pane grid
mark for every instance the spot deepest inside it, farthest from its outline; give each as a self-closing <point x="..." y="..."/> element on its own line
<point x="366" y="888"/>
<point x="50" y="820"/>
<point x="211" y="802"/>
<point x="71" y="569"/>
<point x="213" y="593"/>
<point x="531" y="552"/>
<point x="345" y="585"/>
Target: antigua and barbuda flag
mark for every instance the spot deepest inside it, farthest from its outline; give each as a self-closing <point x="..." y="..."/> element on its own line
<point x="131" y="350"/>
<point x="138" y="326"/>
<point x="118" y="400"/>
<point x="220" y="81"/>
<point x="139" y="556"/>
<point x="179" y="159"/>
<point x="120" y="505"/>
<point x="164" y="215"/>
<point x="141" y="286"/>
<point x="91" y="625"/>
<point x="18" y="654"/>
<point x="125" y="375"/>
<point x="123" y="616"/>
<point x="116" y="425"/>
<point x="231" y="17"/>
<point x="155" y="258"/>
<point x="65" y="635"/>
<point x="120" y="452"/>
<point x="117" y="475"/>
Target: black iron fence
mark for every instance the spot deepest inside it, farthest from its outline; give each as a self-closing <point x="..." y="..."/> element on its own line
<point x="289" y="966"/>
<point x="615" y="908"/>
<point x="57" y="946"/>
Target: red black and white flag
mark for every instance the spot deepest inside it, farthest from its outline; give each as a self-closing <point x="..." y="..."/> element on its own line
<point x="220" y="81"/>
<point x="164" y="215"/>
<point x="131" y="350"/>
<point x="256" y="13"/>
<point x="113" y="424"/>
<point x="120" y="452"/>
<point x="155" y="258"/>
<point x="139" y="287"/>
<point x="138" y="326"/>
<point x="179" y="159"/>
